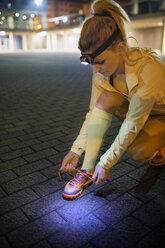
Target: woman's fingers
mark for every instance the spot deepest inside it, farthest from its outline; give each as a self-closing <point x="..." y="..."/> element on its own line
<point x="100" y="175"/>
<point x="68" y="167"/>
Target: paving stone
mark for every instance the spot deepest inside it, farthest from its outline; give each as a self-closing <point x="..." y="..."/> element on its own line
<point x="106" y="239"/>
<point x="2" y="193"/>
<point x="156" y="239"/>
<point x="4" y="243"/>
<point x="16" y="200"/>
<point x="7" y="176"/>
<point x="88" y="245"/>
<point x="39" y="155"/>
<point x="81" y="206"/>
<point x="47" y="144"/>
<point x="71" y="235"/>
<point x="22" y="144"/>
<point x="3" y="132"/>
<point x="23" y="182"/>
<point x="35" y="231"/>
<point x="56" y="159"/>
<point x="39" y="128"/>
<point x="4" y="149"/>
<point x="52" y="171"/>
<point x="67" y="138"/>
<point x="148" y="190"/>
<point x="152" y="213"/>
<point x="11" y="221"/>
<point x="63" y="147"/>
<point x="74" y="130"/>
<point x="120" y="169"/>
<point x="16" y="154"/>
<point x="59" y="123"/>
<point x="44" y="205"/>
<point x="42" y="244"/>
<point x="162" y="174"/>
<point x="8" y="165"/>
<point x="57" y="128"/>
<point x="146" y="172"/>
<point x="114" y="189"/>
<point x="116" y="210"/>
<point x="129" y="231"/>
<point x="31" y="136"/>
<point x="51" y="136"/>
<point x="12" y="135"/>
<point x="32" y="167"/>
<point x="91" y="225"/>
<point x="21" y="123"/>
<point x="42" y="122"/>
<point x="8" y="142"/>
<point x="52" y="185"/>
<point x="14" y="129"/>
<point x="5" y="125"/>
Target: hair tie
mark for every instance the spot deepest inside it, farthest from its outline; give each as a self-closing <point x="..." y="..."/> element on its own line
<point x="102" y="14"/>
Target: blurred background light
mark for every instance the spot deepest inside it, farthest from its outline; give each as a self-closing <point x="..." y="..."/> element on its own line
<point x="17" y="14"/>
<point x="32" y="15"/>
<point x="41" y="34"/>
<point x="9" y="5"/>
<point x="24" y="17"/>
<point x="76" y="30"/>
<point x="2" y="33"/>
<point x="38" y="2"/>
<point x="64" y="19"/>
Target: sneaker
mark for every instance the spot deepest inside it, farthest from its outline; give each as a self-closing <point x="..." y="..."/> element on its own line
<point x="159" y="158"/>
<point x="75" y="187"/>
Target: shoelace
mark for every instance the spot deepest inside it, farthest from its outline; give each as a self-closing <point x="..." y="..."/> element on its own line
<point x="158" y="155"/>
<point x="81" y="172"/>
<point x="79" y="176"/>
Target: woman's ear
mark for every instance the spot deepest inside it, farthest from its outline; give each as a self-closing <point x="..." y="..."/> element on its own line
<point x="121" y="47"/>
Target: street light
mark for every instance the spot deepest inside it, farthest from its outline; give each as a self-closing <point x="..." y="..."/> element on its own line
<point x="24" y="17"/>
<point x="38" y="2"/>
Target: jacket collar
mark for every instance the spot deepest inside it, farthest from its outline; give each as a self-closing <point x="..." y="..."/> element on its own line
<point x="132" y="81"/>
<point x="131" y="77"/>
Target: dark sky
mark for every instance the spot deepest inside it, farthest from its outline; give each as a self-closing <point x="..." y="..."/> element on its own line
<point x="29" y="4"/>
<point x="22" y="4"/>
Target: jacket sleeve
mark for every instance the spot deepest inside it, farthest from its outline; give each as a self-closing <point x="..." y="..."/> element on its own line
<point x="79" y="144"/>
<point x="141" y="103"/>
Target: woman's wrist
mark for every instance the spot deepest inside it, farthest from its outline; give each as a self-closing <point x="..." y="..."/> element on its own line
<point x="77" y="150"/>
<point x="103" y="165"/>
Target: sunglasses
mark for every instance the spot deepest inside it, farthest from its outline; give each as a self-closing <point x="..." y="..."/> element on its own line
<point x="89" y="58"/>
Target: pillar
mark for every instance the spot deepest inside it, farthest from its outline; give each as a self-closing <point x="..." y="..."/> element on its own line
<point x="11" y="41"/>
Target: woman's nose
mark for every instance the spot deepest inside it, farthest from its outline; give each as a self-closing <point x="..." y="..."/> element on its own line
<point x="96" y="68"/>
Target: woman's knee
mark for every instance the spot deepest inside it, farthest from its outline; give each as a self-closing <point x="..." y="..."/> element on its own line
<point x="113" y="103"/>
<point x="137" y="154"/>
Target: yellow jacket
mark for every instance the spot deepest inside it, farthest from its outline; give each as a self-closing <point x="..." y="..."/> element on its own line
<point x="145" y="78"/>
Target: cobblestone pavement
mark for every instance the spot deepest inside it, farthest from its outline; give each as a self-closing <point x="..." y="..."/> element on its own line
<point x="44" y="98"/>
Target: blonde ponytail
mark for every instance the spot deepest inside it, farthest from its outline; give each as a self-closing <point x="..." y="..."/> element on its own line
<point x="106" y="15"/>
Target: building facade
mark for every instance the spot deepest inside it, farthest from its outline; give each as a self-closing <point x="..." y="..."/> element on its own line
<point x="62" y="30"/>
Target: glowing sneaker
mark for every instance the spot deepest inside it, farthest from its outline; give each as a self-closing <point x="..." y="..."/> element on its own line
<point x="159" y="158"/>
<point x="75" y="187"/>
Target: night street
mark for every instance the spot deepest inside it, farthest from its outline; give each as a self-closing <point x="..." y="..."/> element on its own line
<point x="44" y="98"/>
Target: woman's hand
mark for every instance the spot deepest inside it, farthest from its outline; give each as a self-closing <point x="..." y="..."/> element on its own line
<point x="100" y="174"/>
<point x="69" y="162"/>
